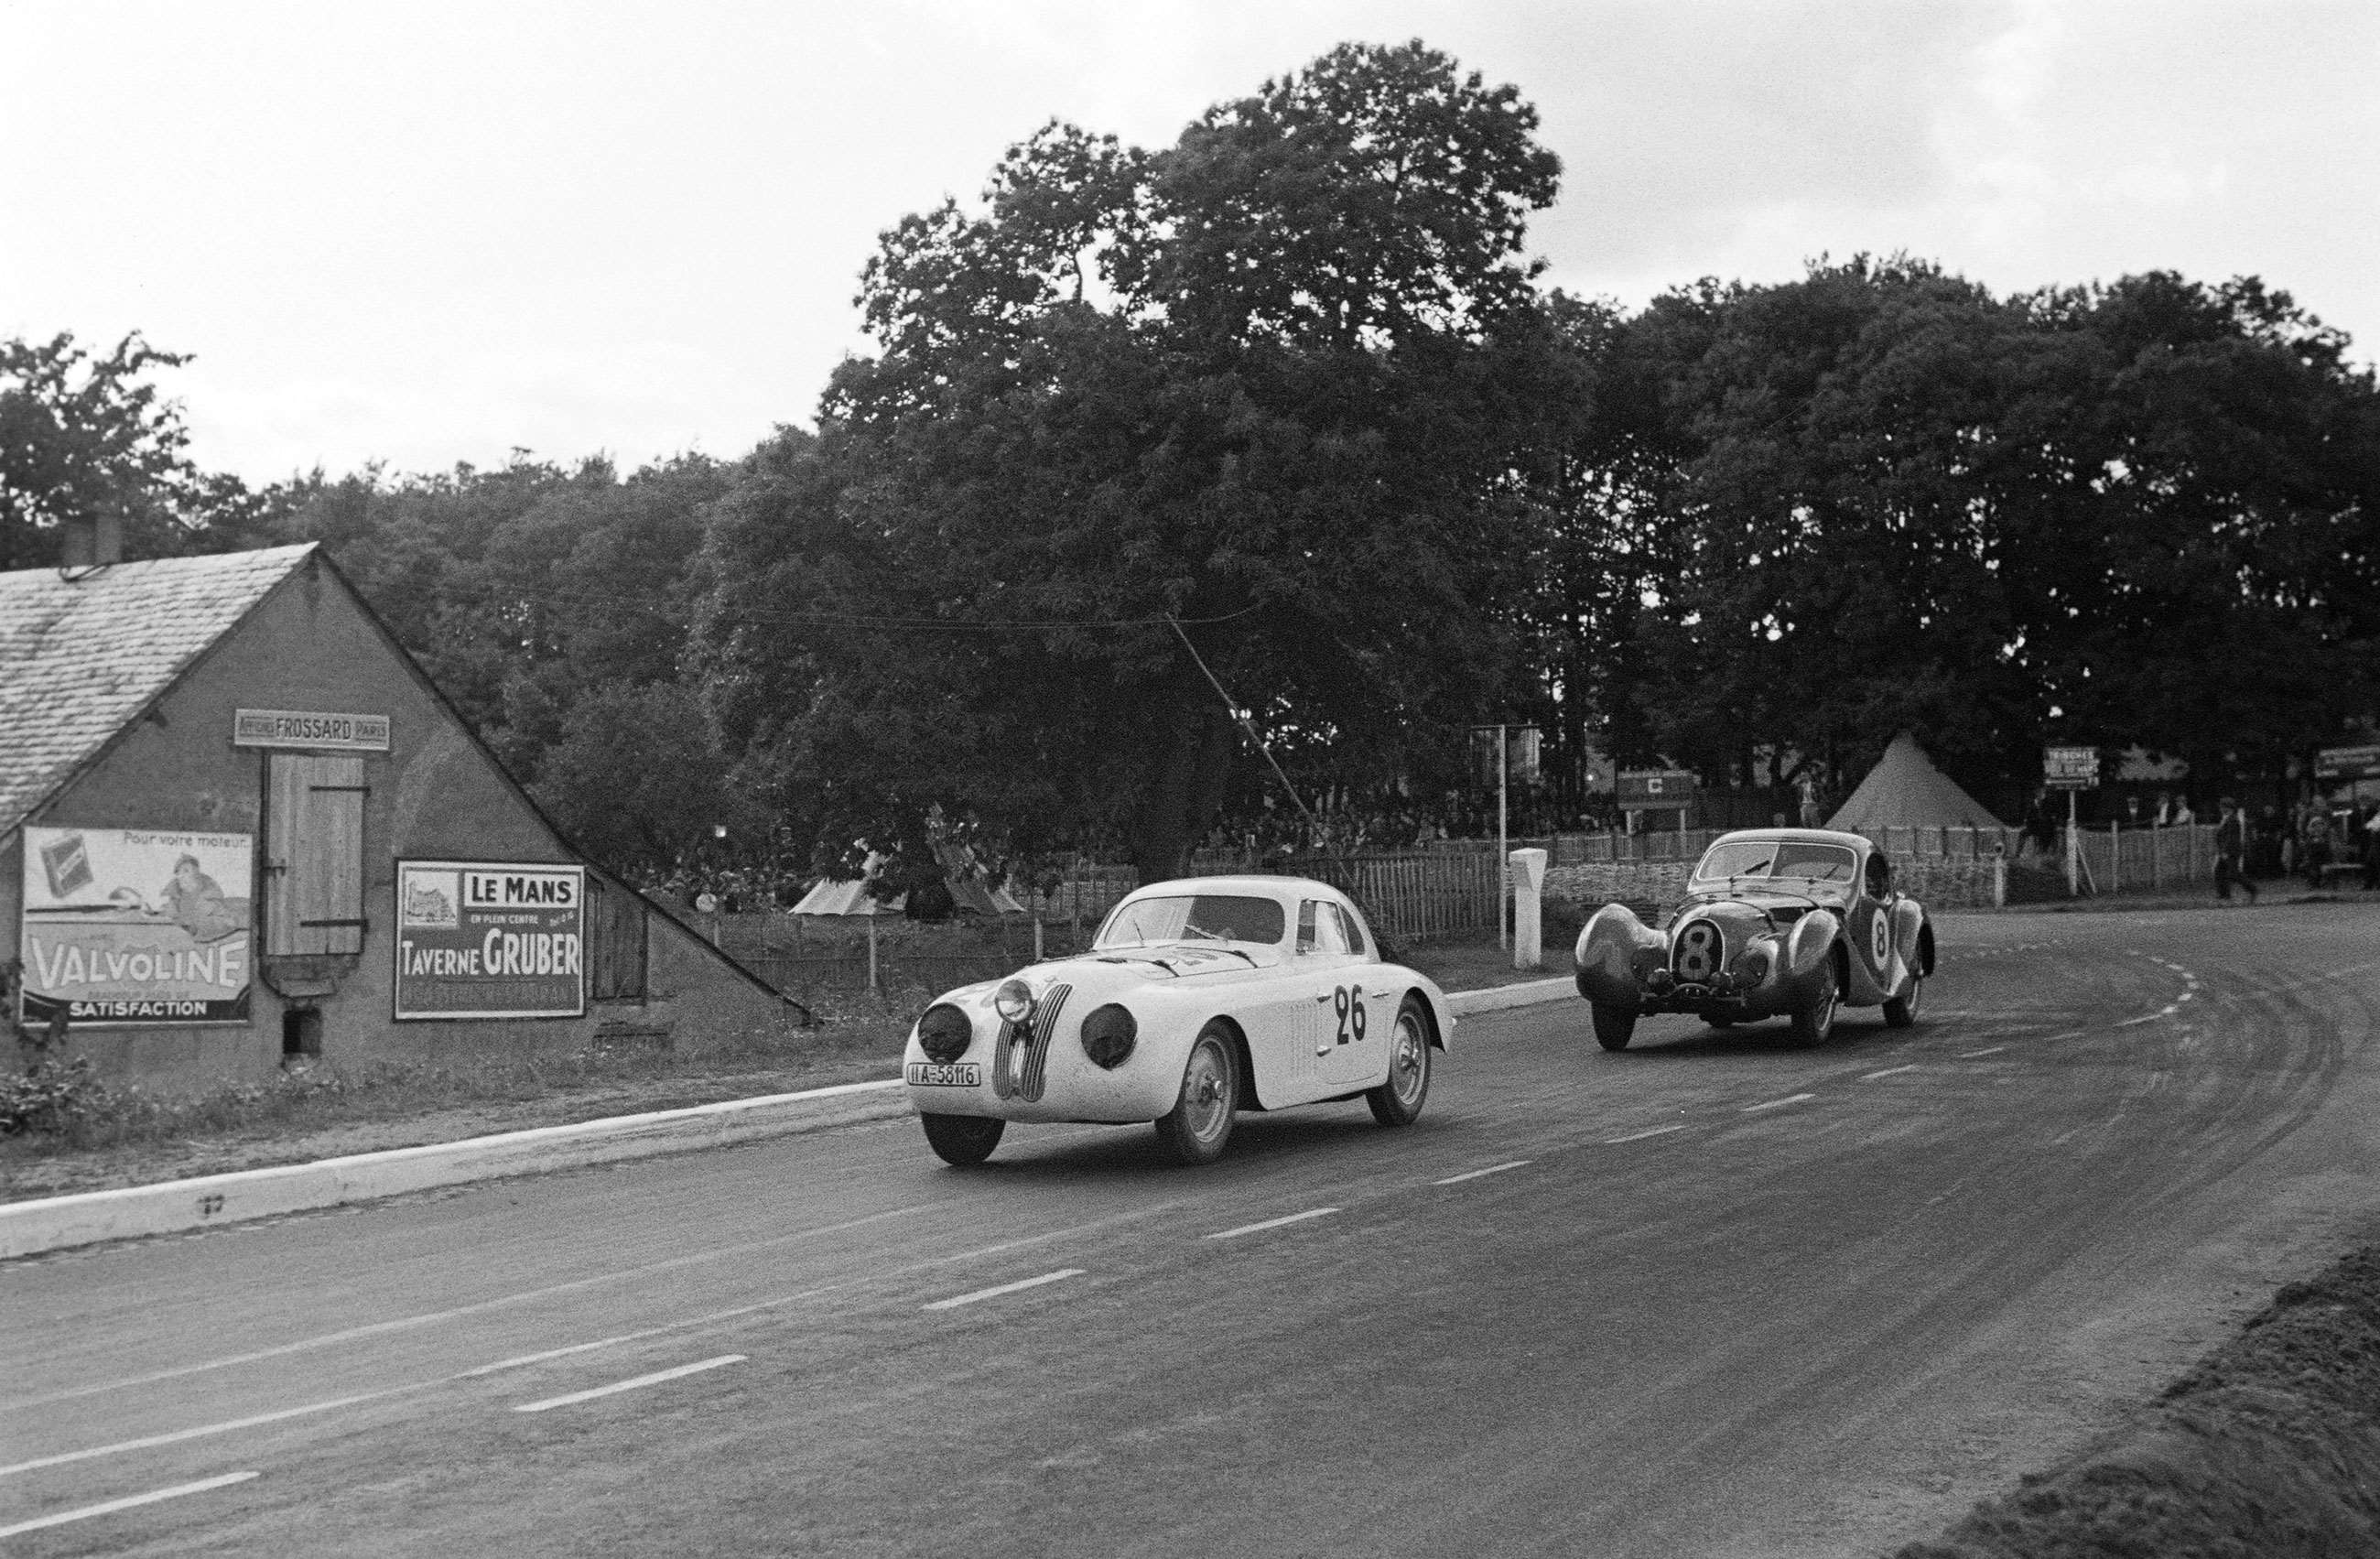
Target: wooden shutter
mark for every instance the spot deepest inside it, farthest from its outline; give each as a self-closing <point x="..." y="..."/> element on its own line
<point x="616" y="972"/>
<point x="315" y="855"/>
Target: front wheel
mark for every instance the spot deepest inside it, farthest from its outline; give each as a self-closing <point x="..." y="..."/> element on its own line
<point x="962" y="1139"/>
<point x="1195" y="1130"/>
<point x="1816" y="1024"/>
<point x="1901" y="1011"/>
<point x="1613" y="1025"/>
<point x="1398" y="1100"/>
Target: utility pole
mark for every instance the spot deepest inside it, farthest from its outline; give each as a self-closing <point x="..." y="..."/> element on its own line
<point x="1503" y="843"/>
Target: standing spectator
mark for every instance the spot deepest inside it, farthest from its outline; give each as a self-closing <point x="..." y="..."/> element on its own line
<point x="2371" y="835"/>
<point x="2232" y="851"/>
<point x="2313" y="841"/>
<point x="2183" y="816"/>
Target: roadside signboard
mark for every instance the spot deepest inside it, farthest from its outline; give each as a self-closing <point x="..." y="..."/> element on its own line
<point x="1646" y="788"/>
<point x="490" y="939"/>
<point x="1521" y="745"/>
<point x="2070" y="768"/>
<point x="317" y="729"/>
<point x="2348" y="763"/>
<point x="134" y="927"/>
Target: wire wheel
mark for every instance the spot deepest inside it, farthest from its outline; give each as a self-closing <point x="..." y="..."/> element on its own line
<point x="1200" y="1122"/>
<point x="1398" y="1101"/>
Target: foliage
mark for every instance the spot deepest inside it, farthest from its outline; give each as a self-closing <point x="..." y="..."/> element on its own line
<point x="2140" y="514"/>
<point x="1140" y="387"/>
<point x="48" y="1098"/>
<point x="86" y="435"/>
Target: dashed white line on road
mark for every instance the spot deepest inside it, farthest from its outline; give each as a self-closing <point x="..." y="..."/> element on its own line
<point x="656" y="1378"/>
<point x="1640" y="1135"/>
<point x="1776" y="1103"/>
<point x="501" y="1301"/>
<point x="111" y="1507"/>
<point x="1888" y="1072"/>
<point x="1475" y="1173"/>
<point x="994" y="1293"/>
<point x="146" y="1440"/>
<point x="1971" y="1054"/>
<point x="1274" y="1223"/>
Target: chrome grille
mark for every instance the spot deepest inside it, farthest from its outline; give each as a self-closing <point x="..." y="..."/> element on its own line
<point x="1021" y="1055"/>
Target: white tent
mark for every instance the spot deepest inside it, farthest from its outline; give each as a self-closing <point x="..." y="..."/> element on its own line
<point x="1905" y="790"/>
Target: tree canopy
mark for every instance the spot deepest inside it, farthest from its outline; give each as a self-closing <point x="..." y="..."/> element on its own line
<point x="1282" y="407"/>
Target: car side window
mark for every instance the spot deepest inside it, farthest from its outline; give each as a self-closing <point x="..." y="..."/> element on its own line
<point x="1355" y="924"/>
<point x="1319" y="929"/>
<point x="1879" y="876"/>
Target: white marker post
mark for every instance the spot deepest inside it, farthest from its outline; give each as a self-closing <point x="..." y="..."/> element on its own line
<point x="1528" y="904"/>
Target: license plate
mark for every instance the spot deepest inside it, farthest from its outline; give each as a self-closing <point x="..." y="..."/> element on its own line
<point x="958" y="1074"/>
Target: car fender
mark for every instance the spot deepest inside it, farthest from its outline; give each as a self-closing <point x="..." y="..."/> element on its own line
<point x="1910" y="938"/>
<point x="1610" y="946"/>
<point x="1810" y="956"/>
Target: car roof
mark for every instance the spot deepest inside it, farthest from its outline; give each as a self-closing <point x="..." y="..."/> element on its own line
<point x="1799" y="836"/>
<point x="1256" y="886"/>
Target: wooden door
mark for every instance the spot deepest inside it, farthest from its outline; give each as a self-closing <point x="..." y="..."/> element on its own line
<point x="314" y="855"/>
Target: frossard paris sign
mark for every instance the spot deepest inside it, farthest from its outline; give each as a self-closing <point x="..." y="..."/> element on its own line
<point x="317" y="730"/>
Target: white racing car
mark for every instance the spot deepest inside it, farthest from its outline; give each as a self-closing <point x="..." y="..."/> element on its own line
<point x="1198" y="999"/>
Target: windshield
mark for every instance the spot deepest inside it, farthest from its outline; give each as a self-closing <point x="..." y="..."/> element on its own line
<point x="1777" y="857"/>
<point x="1200" y="918"/>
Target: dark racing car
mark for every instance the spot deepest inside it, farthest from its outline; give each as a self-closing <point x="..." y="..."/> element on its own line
<point x="1791" y="922"/>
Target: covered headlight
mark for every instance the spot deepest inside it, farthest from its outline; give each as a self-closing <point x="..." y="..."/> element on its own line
<point x="944" y="1032"/>
<point x="1753" y="965"/>
<point x="1013" y="1001"/>
<point x="1107" y="1036"/>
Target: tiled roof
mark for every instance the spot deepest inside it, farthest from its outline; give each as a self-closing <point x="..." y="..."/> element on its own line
<point x="81" y="657"/>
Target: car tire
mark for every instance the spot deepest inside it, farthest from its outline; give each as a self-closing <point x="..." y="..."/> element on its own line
<point x="1815" y="1026"/>
<point x="1195" y="1130"/>
<point x="1398" y="1101"/>
<point x="1901" y="1011"/>
<point x="1613" y="1027"/>
<point x="963" y="1140"/>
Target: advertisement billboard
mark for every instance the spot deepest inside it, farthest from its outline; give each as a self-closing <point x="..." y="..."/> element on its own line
<point x="127" y="927"/>
<point x="490" y="939"/>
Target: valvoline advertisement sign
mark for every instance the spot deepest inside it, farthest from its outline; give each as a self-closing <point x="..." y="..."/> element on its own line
<point x="131" y="927"/>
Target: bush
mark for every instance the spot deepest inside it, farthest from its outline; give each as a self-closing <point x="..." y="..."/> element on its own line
<point x="50" y="1098"/>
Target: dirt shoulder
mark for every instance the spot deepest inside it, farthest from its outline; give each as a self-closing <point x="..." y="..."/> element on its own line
<point x="2265" y="1447"/>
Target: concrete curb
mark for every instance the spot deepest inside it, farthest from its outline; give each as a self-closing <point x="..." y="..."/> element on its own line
<point x="1496" y="998"/>
<point x="89" y="1217"/>
<point x="27" y="1228"/>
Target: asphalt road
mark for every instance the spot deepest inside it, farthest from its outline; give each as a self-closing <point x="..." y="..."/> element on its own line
<point x="1710" y="1296"/>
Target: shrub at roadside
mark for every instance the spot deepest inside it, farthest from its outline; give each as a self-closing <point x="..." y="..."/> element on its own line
<point x="48" y="1098"/>
<point x="2268" y="1447"/>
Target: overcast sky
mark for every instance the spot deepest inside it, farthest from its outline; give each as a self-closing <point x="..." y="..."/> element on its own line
<point x="429" y="232"/>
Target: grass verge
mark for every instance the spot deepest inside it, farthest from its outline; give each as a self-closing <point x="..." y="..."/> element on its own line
<point x="2270" y="1447"/>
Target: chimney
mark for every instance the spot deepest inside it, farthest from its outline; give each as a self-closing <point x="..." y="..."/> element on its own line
<point x="90" y="540"/>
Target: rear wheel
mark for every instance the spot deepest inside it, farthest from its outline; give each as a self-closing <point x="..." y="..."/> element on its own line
<point x="1398" y="1100"/>
<point x="1195" y="1130"/>
<point x="963" y="1140"/>
<point x="1613" y="1025"/>
<point x="1901" y="1011"/>
<point x="1813" y="1027"/>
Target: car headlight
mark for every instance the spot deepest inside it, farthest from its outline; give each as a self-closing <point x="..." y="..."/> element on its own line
<point x="944" y="1032"/>
<point x="1107" y="1036"/>
<point x="1013" y="1001"/>
<point x="1753" y="965"/>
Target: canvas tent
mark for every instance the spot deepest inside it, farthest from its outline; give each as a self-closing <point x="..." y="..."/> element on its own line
<point x="1905" y="790"/>
<point x="968" y="892"/>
